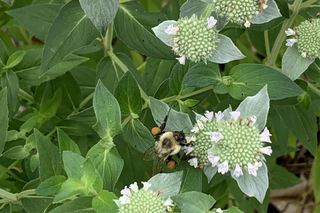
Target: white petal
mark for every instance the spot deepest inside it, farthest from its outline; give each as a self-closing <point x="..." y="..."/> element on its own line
<point x="117" y="202"/>
<point x="182" y="60"/>
<point x="146" y="185"/>
<point x="235" y="115"/>
<point x="203" y="119"/>
<point x="219" y="210"/>
<point x="253" y="120"/>
<point x="195" y="129"/>
<point x="124" y="199"/>
<point x="257" y="164"/>
<point x="168" y="202"/>
<point x="266" y="150"/>
<point x="125" y="191"/>
<point x="211" y="22"/>
<point x="187" y="149"/>
<point x="216" y="136"/>
<point x="237" y="171"/>
<point x="223" y="167"/>
<point x="264" y="6"/>
<point x="252" y="169"/>
<point x="247" y="24"/>
<point x="265" y="135"/>
<point x="290" y="42"/>
<point x="134" y="187"/>
<point x="213" y="159"/>
<point x="218" y="115"/>
<point x="290" y="32"/>
<point x="170" y="30"/>
<point x="209" y="115"/>
<point x="193" y="162"/>
<point x="200" y="124"/>
<point x="304" y="54"/>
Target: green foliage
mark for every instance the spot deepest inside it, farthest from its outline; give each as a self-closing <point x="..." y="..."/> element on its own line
<point x="84" y="82"/>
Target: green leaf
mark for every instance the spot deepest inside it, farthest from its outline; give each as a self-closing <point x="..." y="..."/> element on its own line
<point x="254" y="186"/>
<point x="107" y="112"/>
<point x="159" y="31"/>
<point x="192" y="178"/>
<point x="48" y="156"/>
<point x="225" y="52"/>
<point x="101" y="12"/>
<point x="313" y="71"/>
<point x="4" y="54"/>
<point x="191" y="7"/>
<point x="248" y="79"/>
<point x="70" y="31"/>
<point x="283" y="7"/>
<point x="257" y="105"/>
<point x="293" y="64"/>
<point x="4" y="117"/>
<point x="69" y="189"/>
<point x="16" y="152"/>
<point x="51" y="185"/>
<point x="35" y="205"/>
<point x="301" y="123"/>
<point x="104" y="202"/>
<point x="210" y="171"/>
<point x="177" y="121"/>
<point x="202" y="75"/>
<point x="128" y="95"/>
<point x="10" y="80"/>
<point x="266" y="15"/>
<point x="316" y="177"/>
<point x="86" y="117"/>
<point x="78" y="205"/>
<point x="37" y="19"/>
<point x="233" y="209"/>
<point x="168" y="183"/>
<point x="132" y="17"/>
<point x="137" y="135"/>
<point x="15" y="59"/>
<point x="66" y="144"/>
<point x="171" y="9"/>
<point x="89" y="174"/>
<point x="72" y="164"/>
<point x="108" y="162"/>
<point x="191" y="202"/>
<point x="176" y="77"/>
<point x="281" y="178"/>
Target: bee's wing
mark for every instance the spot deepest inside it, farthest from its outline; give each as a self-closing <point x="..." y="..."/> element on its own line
<point x="157" y="165"/>
<point x="150" y="154"/>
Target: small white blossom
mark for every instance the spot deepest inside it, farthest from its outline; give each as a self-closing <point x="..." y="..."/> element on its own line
<point x="170" y="30"/>
<point x="190" y="139"/>
<point x="253" y="120"/>
<point x="124" y="199"/>
<point x="247" y="24"/>
<point x="219" y="210"/>
<point x="146" y="185"/>
<point x="257" y="164"/>
<point x="200" y="124"/>
<point x="213" y="159"/>
<point x="134" y="187"/>
<point x="252" y="169"/>
<point x="209" y="115"/>
<point x="223" y="167"/>
<point x="235" y="115"/>
<point x="195" y="129"/>
<point x="211" y="22"/>
<point x="182" y="60"/>
<point x="216" y="136"/>
<point x="264" y="6"/>
<point x="193" y="162"/>
<point x="125" y="191"/>
<point x="289" y="32"/>
<point x="168" y="202"/>
<point x="265" y="135"/>
<point x="218" y="115"/>
<point x="266" y="150"/>
<point x="237" y="171"/>
<point x="304" y="54"/>
<point x="203" y="119"/>
<point x="290" y="42"/>
<point x="187" y="149"/>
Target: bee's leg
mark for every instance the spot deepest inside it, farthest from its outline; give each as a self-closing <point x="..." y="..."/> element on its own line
<point x="170" y="162"/>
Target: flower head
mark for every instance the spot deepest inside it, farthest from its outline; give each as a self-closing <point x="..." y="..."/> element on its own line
<point x="143" y="200"/>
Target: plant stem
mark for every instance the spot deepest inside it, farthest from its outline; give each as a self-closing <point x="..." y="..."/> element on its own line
<point x="307" y="3"/>
<point x="271" y="61"/>
<point x="177" y="97"/>
<point x="26" y="193"/>
<point x="23" y="94"/>
<point x="266" y="39"/>
<point x="8" y="195"/>
<point x="314" y="89"/>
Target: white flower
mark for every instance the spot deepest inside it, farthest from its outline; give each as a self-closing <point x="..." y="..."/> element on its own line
<point x="168" y="202"/>
<point x="200" y="124"/>
<point x="252" y="169"/>
<point x="216" y="136"/>
<point x="170" y="30"/>
<point x="209" y="115"/>
<point x="218" y="115"/>
<point x="223" y="167"/>
<point x="203" y="119"/>
<point x="125" y="191"/>
<point x="182" y="59"/>
<point x="237" y="171"/>
<point x="235" y="115"/>
<point x="195" y="129"/>
<point x="146" y="185"/>
<point x="211" y="22"/>
<point x="193" y="162"/>
<point x="253" y="120"/>
<point x="266" y="150"/>
<point x="290" y="32"/>
<point x="265" y="135"/>
<point x="304" y="54"/>
<point x="219" y="210"/>
<point x="134" y="187"/>
<point x="290" y="42"/>
<point x="124" y="199"/>
<point x="264" y="6"/>
<point x="213" y="159"/>
<point x="257" y="164"/>
<point x="187" y="149"/>
<point x="190" y="139"/>
<point x="247" y="24"/>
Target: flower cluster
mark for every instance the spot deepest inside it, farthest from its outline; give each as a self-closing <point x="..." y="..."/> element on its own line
<point x="143" y="200"/>
<point x="193" y="38"/>
<point x="234" y="145"/>
<point x="307" y="38"/>
<point x="240" y="12"/>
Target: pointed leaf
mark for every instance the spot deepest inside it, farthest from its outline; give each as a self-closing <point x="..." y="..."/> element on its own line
<point x="4" y="117"/>
<point x="191" y="7"/>
<point x="15" y="59"/>
<point x="175" y="80"/>
<point x="210" y="171"/>
<point x="66" y="144"/>
<point x="10" y="80"/>
<point x="162" y="35"/>
<point x="104" y="202"/>
<point x="266" y="15"/>
<point x="71" y="30"/>
<point x="225" y="52"/>
<point x="50" y="186"/>
<point x="4" y="54"/>
<point x="73" y="164"/>
<point x="78" y="205"/>
<point x="69" y="189"/>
